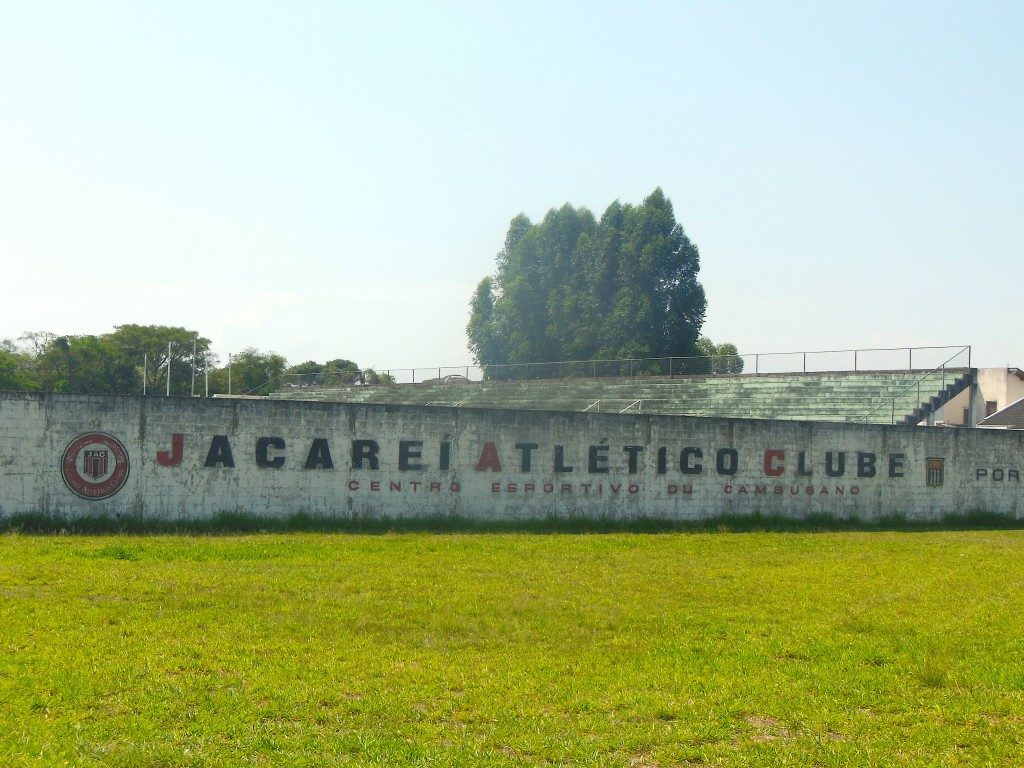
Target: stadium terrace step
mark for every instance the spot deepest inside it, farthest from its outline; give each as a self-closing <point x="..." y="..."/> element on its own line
<point x="875" y="397"/>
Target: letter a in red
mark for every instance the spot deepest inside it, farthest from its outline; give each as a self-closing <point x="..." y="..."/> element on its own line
<point x="489" y="459"/>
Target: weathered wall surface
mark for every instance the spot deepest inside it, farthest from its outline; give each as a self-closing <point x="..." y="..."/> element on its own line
<point x="74" y="455"/>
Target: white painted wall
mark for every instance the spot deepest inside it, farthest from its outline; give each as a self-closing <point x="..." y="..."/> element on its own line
<point x="981" y="467"/>
<point x="999" y="385"/>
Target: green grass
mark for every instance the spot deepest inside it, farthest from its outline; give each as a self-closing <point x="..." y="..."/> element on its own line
<point x="313" y="649"/>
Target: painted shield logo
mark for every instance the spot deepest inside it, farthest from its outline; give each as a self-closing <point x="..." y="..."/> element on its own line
<point x="95" y="465"/>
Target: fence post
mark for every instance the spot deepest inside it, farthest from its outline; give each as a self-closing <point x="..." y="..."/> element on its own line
<point x="805" y="362"/>
<point x="910" y="358"/>
<point x="757" y="363"/>
<point x="855" y="360"/>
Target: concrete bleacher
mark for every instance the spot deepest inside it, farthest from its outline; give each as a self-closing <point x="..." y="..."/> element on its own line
<point x="878" y="397"/>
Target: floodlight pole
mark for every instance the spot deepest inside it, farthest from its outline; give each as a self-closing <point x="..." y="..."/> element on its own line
<point x="145" y="365"/>
<point x="195" y="341"/>
<point x="168" y="369"/>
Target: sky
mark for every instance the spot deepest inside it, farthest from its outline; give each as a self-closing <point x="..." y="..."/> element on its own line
<point x="331" y="180"/>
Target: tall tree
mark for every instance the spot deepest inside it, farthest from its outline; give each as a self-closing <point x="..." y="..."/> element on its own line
<point x="576" y="288"/>
<point x="138" y="343"/>
<point x="15" y="370"/>
<point x="717" y="358"/>
<point x="252" y="373"/>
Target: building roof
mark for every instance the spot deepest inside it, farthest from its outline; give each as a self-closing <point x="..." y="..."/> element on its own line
<point x="1012" y="416"/>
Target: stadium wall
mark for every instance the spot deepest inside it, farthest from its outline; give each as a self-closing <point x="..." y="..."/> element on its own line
<point x="71" y="456"/>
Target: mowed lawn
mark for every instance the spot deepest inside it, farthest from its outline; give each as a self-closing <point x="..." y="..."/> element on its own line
<point x="513" y="649"/>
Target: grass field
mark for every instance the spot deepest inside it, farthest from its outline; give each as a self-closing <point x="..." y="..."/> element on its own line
<point x="311" y="649"/>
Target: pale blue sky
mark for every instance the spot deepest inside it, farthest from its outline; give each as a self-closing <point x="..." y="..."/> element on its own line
<point x="331" y="180"/>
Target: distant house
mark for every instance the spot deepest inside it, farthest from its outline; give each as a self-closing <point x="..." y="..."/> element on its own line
<point x="1010" y="417"/>
<point x="997" y="389"/>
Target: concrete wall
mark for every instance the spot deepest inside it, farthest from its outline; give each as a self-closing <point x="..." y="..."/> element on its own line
<point x="73" y="455"/>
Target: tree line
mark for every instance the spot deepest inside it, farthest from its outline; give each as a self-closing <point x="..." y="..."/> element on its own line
<point x="135" y="356"/>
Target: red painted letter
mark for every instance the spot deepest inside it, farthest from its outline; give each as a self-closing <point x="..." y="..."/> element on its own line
<point x="770" y="467"/>
<point x="489" y="459"/>
<point x="172" y="459"/>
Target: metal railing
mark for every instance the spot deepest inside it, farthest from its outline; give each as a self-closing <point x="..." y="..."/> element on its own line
<point x="940" y="370"/>
<point x="614" y="403"/>
<point x="816" y="361"/>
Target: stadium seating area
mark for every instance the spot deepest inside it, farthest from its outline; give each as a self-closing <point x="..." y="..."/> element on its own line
<point x="878" y="397"/>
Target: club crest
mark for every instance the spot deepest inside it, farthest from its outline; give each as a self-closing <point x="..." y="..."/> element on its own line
<point x="95" y="465"/>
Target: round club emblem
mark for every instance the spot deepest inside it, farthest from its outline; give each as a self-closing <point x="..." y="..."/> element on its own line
<point x="95" y="465"/>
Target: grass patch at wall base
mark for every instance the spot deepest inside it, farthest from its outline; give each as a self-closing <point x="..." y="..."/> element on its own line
<point x="242" y="522"/>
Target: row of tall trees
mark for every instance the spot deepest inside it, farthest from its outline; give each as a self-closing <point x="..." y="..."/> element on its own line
<point x="135" y="356"/>
<point x="574" y="287"/>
